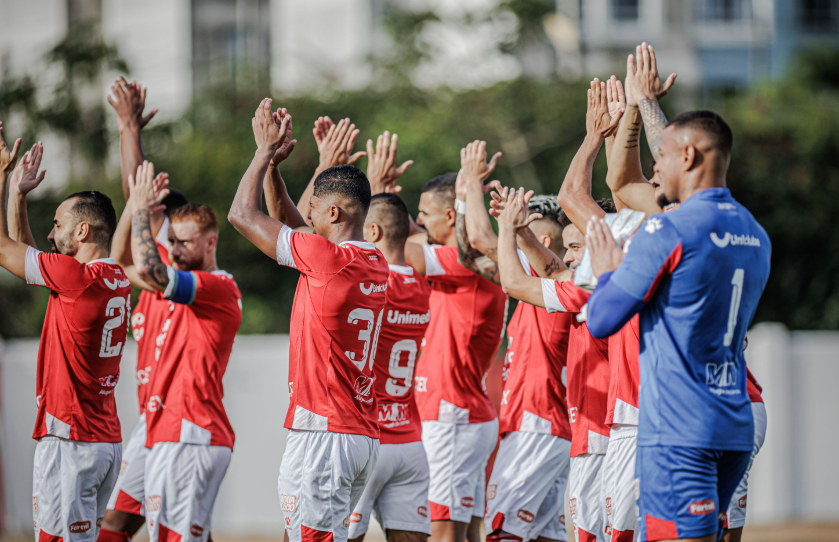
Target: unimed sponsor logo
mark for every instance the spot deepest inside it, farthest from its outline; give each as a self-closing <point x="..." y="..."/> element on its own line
<point x="152" y="503"/>
<point x="288" y="503"/>
<point x="80" y="527"/>
<point x="525" y="516"/>
<point x="701" y="508"/>
<point x="355" y="517"/>
<point x="742" y="501"/>
<point x="491" y="489"/>
<point x="196" y="530"/>
<point x="423" y="511"/>
<point x="467" y="502"/>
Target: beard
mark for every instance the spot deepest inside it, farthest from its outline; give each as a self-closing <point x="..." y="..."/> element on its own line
<point x="63" y="246"/>
<point x="664" y="203"/>
<point x="187" y="264"/>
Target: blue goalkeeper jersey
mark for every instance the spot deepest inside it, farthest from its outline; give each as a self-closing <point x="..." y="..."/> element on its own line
<point x="695" y="275"/>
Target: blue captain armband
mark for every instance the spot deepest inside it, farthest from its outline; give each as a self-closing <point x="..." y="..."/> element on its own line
<point x="182" y="286"/>
<point x="610" y="307"/>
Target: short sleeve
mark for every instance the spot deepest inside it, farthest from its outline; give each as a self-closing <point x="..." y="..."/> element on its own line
<point x="563" y="296"/>
<point x="525" y="263"/>
<point x="57" y="272"/>
<point x="441" y="263"/>
<point x="312" y="254"/>
<point x="33" y="268"/>
<point x="654" y="253"/>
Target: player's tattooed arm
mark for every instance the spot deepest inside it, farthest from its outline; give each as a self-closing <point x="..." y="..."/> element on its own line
<point x="335" y="147"/>
<point x="470" y="258"/>
<point x="12" y="253"/>
<point x="146" y="194"/>
<point x="644" y="85"/>
<point x="546" y="263"/>
<point x="515" y="282"/>
<point x="575" y="193"/>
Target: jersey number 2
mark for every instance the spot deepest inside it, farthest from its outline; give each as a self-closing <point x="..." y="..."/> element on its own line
<point x="115" y="304"/>
<point x="736" y="294"/>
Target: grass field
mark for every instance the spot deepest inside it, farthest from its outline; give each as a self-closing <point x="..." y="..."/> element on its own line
<point x="791" y="532"/>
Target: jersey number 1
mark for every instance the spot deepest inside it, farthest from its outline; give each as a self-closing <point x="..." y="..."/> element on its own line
<point x="736" y="294"/>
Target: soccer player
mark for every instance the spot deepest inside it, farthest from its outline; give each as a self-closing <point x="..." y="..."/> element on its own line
<point x="695" y="275"/>
<point x="526" y="491"/>
<point x="587" y="357"/>
<point x="338" y="309"/>
<point x="397" y="491"/>
<point x="124" y="515"/>
<point x="459" y="424"/>
<point x="79" y="448"/>
<point x="633" y="190"/>
<point x="189" y="437"/>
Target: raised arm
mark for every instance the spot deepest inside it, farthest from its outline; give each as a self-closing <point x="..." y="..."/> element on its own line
<point x="12" y="253"/>
<point x="575" y="194"/>
<point x="645" y="86"/>
<point x="546" y="263"/>
<point x="151" y="272"/>
<point x="121" y="243"/>
<point x="475" y="170"/>
<point x="335" y="147"/>
<point x="617" y="106"/>
<point x="246" y="213"/>
<point x="280" y="205"/>
<point x="129" y="100"/>
<point x="515" y="282"/>
<point x="24" y="179"/>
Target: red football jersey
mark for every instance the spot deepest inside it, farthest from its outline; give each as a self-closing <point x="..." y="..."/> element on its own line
<point x="404" y="323"/>
<point x="624" y="347"/>
<point x="149" y="314"/>
<point x="84" y="334"/>
<point x="588" y="371"/>
<point x="192" y="349"/>
<point x="534" y="373"/>
<point x="335" y="322"/>
<point x="753" y="388"/>
<point x="468" y="316"/>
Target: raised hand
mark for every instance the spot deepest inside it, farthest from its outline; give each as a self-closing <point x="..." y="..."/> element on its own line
<point x="322" y="125"/>
<point x="615" y="97"/>
<point x="288" y="143"/>
<point x="605" y="253"/>
<point x="336" y="147"/>
<point x="642" y="79"/>
<point x="148" y="191"/>
<point x="382" y="171"/>
<point x="25" y="176"/>
<point x="474" y="165"/>
<point x="513" y="213"/>
<point x="598" y="120"/>
<point x="269" y="135"/>
<point x="8" y="157"/>
<point x="129" y="100"/>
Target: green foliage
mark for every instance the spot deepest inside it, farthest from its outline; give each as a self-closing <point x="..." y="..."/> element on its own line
<point x="784" y="169"/>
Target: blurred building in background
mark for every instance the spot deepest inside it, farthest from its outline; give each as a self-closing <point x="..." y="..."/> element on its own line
<point x="178" y="47"/>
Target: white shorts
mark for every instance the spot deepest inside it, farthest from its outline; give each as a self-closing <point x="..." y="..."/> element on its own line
<point x="71" y="483"/>
<point x="182" y="481"/>
<point x="619" y="484"/>
<point x="585" y="503"/>
<point x="396" y="493"/>
<point x="322" y="475"/>
<point x="736" y="516"/>
<point x="526" y="492"/>
<point x="129" y="492"/>
<point x="457" y="459"/>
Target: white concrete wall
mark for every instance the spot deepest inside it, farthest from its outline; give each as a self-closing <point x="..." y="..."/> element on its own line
<point x="792" y="478"/>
